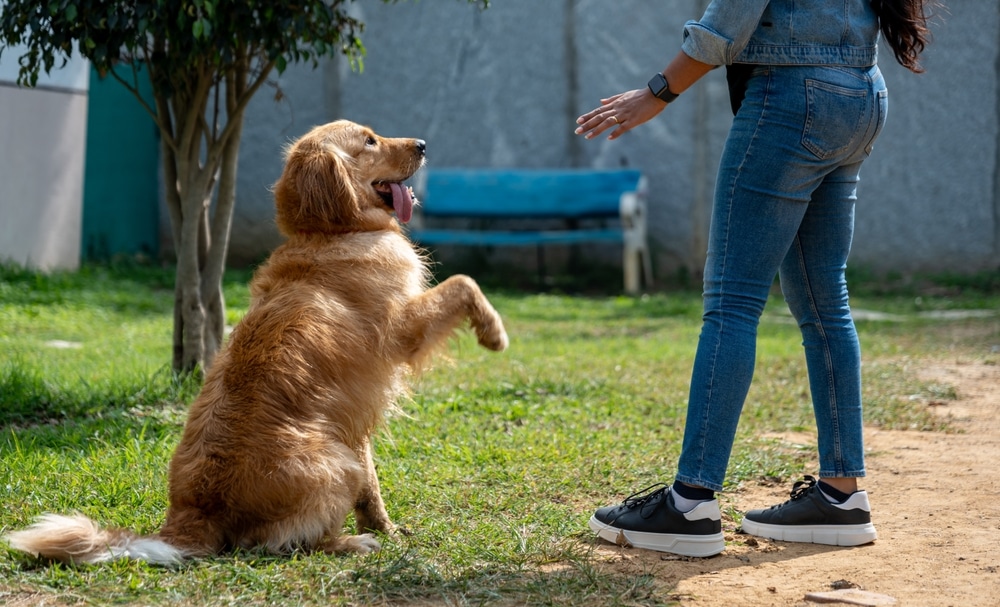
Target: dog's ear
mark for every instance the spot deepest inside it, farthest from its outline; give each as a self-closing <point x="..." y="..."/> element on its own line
<point x="315" y="193"/>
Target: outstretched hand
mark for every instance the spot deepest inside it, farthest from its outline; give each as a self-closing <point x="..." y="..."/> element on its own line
<point x="622" y="112"/>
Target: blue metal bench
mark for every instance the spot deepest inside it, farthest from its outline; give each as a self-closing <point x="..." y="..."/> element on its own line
<point x="593" y="206"/>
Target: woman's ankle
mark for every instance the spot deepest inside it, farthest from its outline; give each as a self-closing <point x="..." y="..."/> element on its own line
<point x="846" y="485"/>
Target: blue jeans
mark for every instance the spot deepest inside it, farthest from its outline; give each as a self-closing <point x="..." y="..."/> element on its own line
<point x="784" y="205"/>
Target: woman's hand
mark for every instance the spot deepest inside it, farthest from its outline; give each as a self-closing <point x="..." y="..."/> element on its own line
<point x="622" y="112"/>
<point x="625" y="111"/>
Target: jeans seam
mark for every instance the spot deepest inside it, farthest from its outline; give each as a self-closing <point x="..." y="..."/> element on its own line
<point x="827" y="359"/>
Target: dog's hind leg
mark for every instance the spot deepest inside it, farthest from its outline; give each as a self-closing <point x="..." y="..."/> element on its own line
<point x="189" y="528"/>
<point x="344" y="544"/>
<point x="304" y="505"/>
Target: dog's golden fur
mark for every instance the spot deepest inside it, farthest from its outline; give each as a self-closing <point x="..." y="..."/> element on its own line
<point x="276" y="451"/>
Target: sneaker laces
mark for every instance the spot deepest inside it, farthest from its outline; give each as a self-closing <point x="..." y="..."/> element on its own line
<point x="802" y="487"/>
<point x="640" y="499"/>
<point x="799" y="490"/>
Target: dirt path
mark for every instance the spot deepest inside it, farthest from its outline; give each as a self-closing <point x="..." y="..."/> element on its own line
<point x="935" y="502"/>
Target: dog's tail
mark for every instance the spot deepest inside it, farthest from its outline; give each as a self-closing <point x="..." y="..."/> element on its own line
<point x="78" y="540"/>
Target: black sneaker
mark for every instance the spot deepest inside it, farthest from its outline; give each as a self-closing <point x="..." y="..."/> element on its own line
<point x="648" y="519"/>
<point x="811" y="518"/>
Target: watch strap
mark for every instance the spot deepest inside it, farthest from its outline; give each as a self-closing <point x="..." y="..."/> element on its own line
<point x="660" y="88"/>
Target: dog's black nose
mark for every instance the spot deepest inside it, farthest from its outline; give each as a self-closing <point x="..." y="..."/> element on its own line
<point x="421" y="146"/>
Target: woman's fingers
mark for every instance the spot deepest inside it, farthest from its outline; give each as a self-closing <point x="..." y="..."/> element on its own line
<point x="599" y="111"/>
<point x="594" y="124"/>
<point x="622" y="112"/>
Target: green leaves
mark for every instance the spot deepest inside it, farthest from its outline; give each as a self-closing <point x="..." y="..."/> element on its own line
<point x="202" y="28"/>
<point x="223" y="33"/>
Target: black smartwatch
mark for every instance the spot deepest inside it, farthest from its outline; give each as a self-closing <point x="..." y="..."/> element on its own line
<point x="660" y="88"/>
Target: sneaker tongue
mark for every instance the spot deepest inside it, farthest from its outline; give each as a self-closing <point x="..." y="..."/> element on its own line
<point x="402" y="202"/>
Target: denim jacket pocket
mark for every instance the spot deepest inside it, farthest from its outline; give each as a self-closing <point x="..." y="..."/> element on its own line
<point x="834" y="118"/>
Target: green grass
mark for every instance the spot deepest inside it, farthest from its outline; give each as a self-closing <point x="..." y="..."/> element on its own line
<point x="495" y="466"/>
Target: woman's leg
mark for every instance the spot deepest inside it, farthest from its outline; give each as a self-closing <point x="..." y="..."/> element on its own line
<point x="796" y="126"/>
<point x="815" y="288"/>
<point x="762" y="193"/>
<point x="813" y="280"/>
<point x="795" y="146"/>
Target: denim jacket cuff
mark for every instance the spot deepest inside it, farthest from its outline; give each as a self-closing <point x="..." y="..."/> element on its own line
<point x="706" y="45"/>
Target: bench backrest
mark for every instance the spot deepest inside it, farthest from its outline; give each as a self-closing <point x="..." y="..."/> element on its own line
<point x="566" y="193"/>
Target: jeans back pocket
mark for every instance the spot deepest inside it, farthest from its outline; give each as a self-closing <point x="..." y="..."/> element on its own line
<point x="883" y="111"/>
<point x="835" y="117"/>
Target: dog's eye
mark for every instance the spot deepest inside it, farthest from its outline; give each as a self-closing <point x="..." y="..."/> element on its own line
<point x="371" y="141"/>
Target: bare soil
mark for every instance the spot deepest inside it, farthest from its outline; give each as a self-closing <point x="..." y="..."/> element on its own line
<point x="935" y="503"/>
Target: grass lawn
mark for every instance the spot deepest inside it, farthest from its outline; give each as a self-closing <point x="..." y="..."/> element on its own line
<point x="495" y="467"/>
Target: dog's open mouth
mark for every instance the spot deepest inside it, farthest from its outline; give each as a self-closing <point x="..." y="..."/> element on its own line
<point x="397" y="196"/>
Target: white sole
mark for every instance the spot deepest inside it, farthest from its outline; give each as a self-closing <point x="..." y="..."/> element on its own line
<point x="684" y="545"/>
<point x="830" y="535"/>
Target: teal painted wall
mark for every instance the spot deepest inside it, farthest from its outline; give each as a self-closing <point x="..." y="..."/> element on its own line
<point x="121" y="189"/>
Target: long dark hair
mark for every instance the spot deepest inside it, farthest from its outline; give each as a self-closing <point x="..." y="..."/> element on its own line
<point x="904" y="28"/>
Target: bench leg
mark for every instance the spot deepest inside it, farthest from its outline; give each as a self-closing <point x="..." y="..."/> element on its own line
<point x="647" y="267"/>
<point x="630" y="266"/>
<point x="540" y="256"/>
<point x="634" y="262"/>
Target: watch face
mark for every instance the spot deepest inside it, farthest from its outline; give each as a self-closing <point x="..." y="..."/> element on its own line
<point x="658" y="84"/>
<point x="660" y="88"/>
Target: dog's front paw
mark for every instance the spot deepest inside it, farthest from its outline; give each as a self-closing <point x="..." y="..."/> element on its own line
<point x="492" y="335"/>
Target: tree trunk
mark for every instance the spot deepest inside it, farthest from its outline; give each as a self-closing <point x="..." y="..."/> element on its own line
<point x="173" y="200"/>
<point x="194" y="182"/>
<point x="222" y="221"/>
<point x="188" y="287"/>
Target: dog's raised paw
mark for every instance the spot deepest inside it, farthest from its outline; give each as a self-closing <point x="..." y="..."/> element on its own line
<point x="495" y="340"/>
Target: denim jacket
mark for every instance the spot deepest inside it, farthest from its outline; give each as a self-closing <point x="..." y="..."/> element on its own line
<point x="784" y="32"/>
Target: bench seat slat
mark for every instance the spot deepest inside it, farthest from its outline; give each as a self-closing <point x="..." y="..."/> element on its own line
<point x="565" y="193"/>
<point x="512" y="237"/>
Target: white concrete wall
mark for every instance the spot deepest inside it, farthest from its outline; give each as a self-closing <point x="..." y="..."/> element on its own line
<point x="42" y="144"/>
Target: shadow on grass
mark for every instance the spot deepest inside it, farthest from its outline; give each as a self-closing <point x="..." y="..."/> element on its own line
<point x="133" y="290"/>
<point x="577" y="571"/>
<point x="385" y="578"/>
<point x="127" y="288"/>
<point x="28" y="397"/>
<point x="259" y="581"/>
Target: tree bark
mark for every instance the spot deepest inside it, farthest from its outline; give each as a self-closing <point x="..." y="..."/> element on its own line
<point x="188" y="284"/>
<point x="194" y="184"/>
<point x="211" y="278"/>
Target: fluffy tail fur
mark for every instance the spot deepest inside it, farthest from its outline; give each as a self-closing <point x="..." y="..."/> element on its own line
<point x="77" y="539"/>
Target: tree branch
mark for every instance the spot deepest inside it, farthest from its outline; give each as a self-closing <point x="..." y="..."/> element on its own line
<point x="241" y="102"/>
<point x="161" y="115"/>
<point x="170" y="178"/>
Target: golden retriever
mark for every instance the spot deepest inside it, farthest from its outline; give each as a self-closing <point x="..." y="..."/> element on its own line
<point x="276" y="451"/>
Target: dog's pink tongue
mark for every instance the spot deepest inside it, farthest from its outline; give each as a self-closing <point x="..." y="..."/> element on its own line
<point x="402" y="202"/>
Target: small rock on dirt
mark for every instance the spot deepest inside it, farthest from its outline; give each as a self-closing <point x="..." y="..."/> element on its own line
<point x="852" y="596"/>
